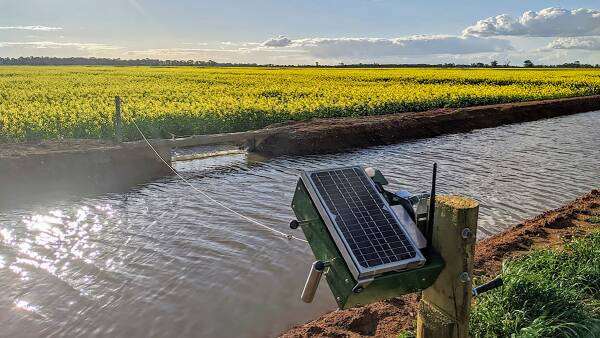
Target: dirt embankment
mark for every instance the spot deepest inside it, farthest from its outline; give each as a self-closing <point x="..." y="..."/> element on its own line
<point x="388" y="318"/>
<point x="335" y="134"/>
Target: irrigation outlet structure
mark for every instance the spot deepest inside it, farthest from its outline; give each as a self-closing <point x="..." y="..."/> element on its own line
<point x="244" y="217"/>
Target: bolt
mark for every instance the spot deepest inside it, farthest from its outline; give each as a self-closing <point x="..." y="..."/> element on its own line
<point x="464" y="277"/>
<point x="338" y="298"/>
<point x="346" y="280"/>
<point x="467" y="233"/>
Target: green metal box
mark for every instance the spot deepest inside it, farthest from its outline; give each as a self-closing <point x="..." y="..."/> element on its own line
<point x="341" y="282"/>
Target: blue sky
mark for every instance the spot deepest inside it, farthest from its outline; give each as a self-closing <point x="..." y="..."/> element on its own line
<point x="305" y="31"/>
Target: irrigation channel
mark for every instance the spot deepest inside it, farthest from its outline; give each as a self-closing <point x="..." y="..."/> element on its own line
<point x="158" y="261"/>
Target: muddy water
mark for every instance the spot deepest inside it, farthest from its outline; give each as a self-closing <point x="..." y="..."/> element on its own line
<point x="159" y="261"/>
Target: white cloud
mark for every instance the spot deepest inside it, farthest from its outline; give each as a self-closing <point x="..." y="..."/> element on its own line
<point x="280" y="41"/>
<point x="546" y="23"/>
<point x="168" y="52"/>
<point x="206" y="52"/>
<point x="31" y="28"/>
<point x="333" y="50"/>
<point x="366" y="48"/>
<point x="195" y="43"/>
<point x="91" y="47"/>
<point x="583" y="43"/>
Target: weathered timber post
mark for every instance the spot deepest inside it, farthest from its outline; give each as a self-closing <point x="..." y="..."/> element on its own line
<point x="117" y="120"/>
<point x="445" y="306"/>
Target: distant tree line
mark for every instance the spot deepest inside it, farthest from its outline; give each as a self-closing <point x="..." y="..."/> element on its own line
<point x="92" y="61"/>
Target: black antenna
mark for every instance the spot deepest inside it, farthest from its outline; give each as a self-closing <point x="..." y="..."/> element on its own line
<point x="429" y="229"/>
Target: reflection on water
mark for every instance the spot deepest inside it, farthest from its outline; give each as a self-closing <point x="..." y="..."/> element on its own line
<point x="160" y="261"/>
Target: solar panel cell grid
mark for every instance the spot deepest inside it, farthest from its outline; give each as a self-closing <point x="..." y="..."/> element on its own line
<point x="371" y="231"/>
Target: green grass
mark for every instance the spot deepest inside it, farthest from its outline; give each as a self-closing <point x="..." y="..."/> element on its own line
<point x="545" y="294"/>
<point x="406" y="334"/>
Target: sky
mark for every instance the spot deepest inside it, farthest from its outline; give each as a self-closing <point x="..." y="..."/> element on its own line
<point x="305" y="31"/>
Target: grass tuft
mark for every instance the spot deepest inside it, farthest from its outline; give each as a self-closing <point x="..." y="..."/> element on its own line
<point x="406" y="334"/>
<point x="545" y="294"/>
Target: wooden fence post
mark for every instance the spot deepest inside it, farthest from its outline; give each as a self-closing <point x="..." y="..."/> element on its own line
<point x="445" y="306"/>
<point x="117" y="120"/>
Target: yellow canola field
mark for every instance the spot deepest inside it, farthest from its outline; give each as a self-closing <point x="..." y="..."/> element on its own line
<point x="78" y="102"/>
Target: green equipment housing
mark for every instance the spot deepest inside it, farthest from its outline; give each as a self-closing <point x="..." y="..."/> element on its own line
<point x="346" y="290"/>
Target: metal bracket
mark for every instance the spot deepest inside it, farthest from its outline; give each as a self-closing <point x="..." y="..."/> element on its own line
<point x="362" y="284"/>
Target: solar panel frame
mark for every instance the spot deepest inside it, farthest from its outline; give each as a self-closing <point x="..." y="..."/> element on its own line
<point x="359" y="271"/>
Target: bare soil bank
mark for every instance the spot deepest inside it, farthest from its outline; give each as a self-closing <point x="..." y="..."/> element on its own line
<point x="388" y="318"/>
<point x="335" y="134"/>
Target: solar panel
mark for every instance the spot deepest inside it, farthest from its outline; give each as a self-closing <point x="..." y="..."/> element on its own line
<point x="369" y="235"/>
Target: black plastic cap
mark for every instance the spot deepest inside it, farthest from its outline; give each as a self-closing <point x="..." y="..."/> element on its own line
<point x="319" y="266"/>
<point x="294" y="224"/>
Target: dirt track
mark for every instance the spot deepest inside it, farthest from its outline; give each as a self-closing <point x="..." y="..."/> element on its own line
<point x="388" y="318"/>
<point x="335" y="134"/>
